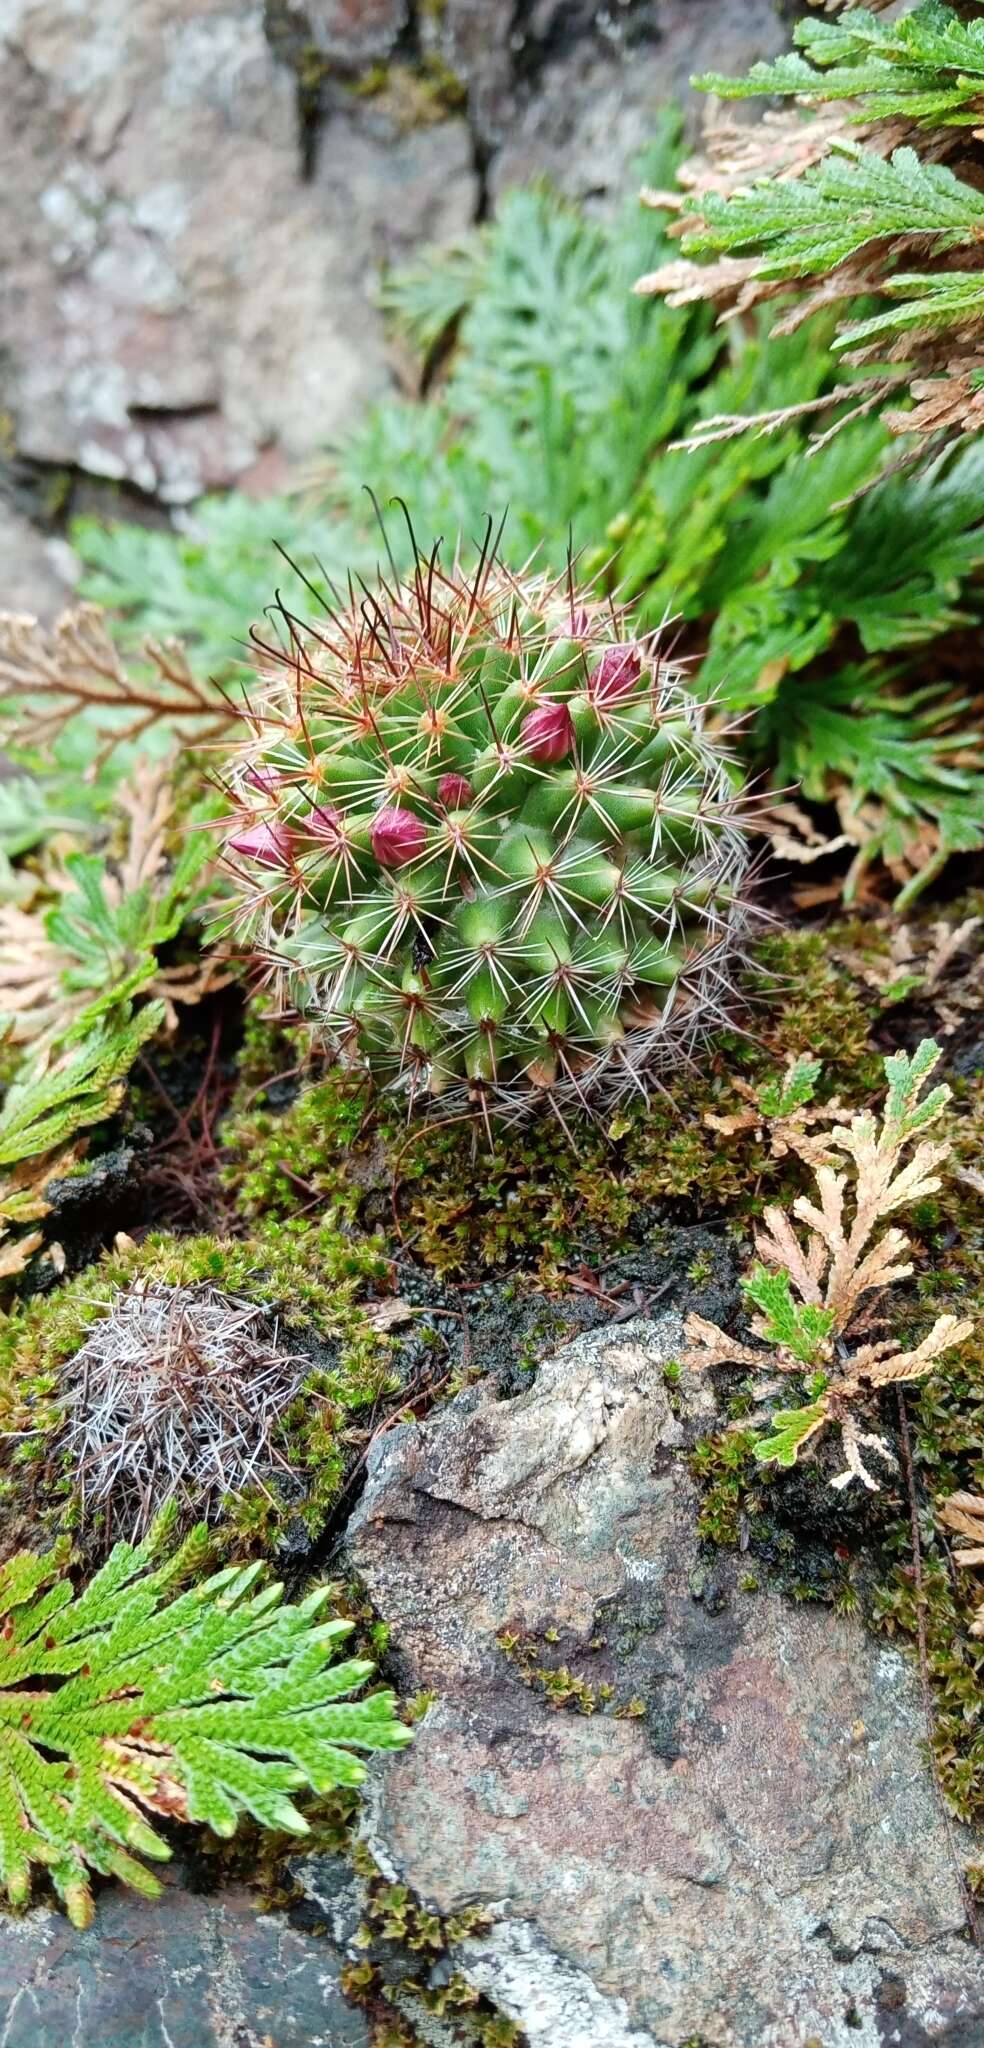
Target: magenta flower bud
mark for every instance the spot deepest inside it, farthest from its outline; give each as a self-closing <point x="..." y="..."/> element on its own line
<point x="267" y="842"/>
<point x="616" y="674"/>
<point x="397" y="836"/>
<point x="265" y="779"/>
<point x="548" y="732"/>
<point x="324" y="822"/>
<point x="455" y="792"/>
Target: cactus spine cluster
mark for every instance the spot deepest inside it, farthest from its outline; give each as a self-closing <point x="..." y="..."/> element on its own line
<point x="483" y="832"/>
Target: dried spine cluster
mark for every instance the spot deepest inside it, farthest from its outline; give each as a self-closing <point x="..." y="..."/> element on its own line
<point x="485" y="835"/>
<point x="177" y="1394"/>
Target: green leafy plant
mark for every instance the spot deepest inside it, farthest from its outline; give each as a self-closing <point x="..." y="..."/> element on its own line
<point x="894" y="218"/>
<point x="46" y="1104"/>
<point x="794" y="583"/>
<point x="793" y="1089"/>
<point x="131" y="1698"/>
<point x="109" y="936"/>
<point x="487" y="828"/>
<point x="903" y="768"/>
<point x="813" y="1289"/>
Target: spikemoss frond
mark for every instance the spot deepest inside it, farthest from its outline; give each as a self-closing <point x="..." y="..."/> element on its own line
<point x="132" y="1699"/>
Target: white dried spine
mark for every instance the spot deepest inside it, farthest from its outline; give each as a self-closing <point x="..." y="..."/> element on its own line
<point x="178" y="1393"/>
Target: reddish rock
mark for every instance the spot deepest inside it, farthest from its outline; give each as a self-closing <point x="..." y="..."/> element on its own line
<point x="745" y="1859"/>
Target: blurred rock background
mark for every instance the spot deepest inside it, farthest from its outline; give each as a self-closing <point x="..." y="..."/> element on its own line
<point x="201" y="197"/>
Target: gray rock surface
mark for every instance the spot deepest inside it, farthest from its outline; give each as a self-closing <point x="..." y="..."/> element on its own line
<point x="589" y="108"/>
<point x="200" y="196"/>
<point x="178" y="299"/>
<point x="36" y="575"/>
<point x="182" y="1971"/>
<point x="757" y="1860"/>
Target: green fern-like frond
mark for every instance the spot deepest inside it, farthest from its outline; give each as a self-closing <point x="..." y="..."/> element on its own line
<point x="426" y="298"/>
<point x="802" y="563"/>
<point x="791" y="1090"/>
<point x="132" y="1699"/>
<point x="805" y="210"/>
<point x="954" y="299"/>
<point x="790" y="1429"/>
<point x="800" y="1327"/>
<point x="812" y="223"/>
<point x="110" y="942"/>
<point x="46" y="1105"/>
<point x="929" y="66"/>
<point x="897" y="763"/>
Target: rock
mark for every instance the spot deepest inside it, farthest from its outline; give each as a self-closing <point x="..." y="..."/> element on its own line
<point x="182" y="1971"/>
<point x="179" y="299"/>
<point x="748" y="1853"/>
<point x="35" y="574"/>
<point x="200" y="196"/>
<point x="568" y="90"/>
<point x="355" y="33"/>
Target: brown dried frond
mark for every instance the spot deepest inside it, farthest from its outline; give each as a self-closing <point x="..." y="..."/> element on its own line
<point x="964" y="1512"/>
<point x="178" y="1393"/>
<point x="146" y="799"/>
<point x="948" y="403"/>
<point x="32" y="1002"/>
<point x="718" y="1349"/>
<point x="867" y="393"/>
<point x="37" y="1003"/>
<point x="50" y="675"/>
<point x="781" y="145"/>
<point x="730" y="279"/>
<point x="843" y="1258"/>
<point x="23" y="1200"/>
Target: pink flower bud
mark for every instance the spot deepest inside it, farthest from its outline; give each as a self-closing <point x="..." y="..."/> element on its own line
<point x="267" y="842"/>
<point x="616" y="674"/>
<point x="548" y="732"/>
<point x="324" y="822"/>
<point x="265" y="779"/>
<point x="455" y="792"/>
<point x="397" y="836"/>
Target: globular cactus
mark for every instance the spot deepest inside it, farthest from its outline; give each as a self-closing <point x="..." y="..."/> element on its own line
<point x="483" y="831"/>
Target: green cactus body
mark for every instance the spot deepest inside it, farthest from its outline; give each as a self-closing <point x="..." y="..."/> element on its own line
<point x="487" y="840"/>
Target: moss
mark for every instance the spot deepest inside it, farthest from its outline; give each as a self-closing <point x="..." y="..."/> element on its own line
<point x="559" y="1686"/>
<point x="396" y="1930"/>
<point x="726" y="1464"/>
<point x="535" y="1195"/>
<point x="946" y="1419"/>
<point x="415" y="95"/>
<point x="284" y="1162"/>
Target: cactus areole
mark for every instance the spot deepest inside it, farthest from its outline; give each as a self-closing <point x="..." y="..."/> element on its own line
<point x="482" y="831"/>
